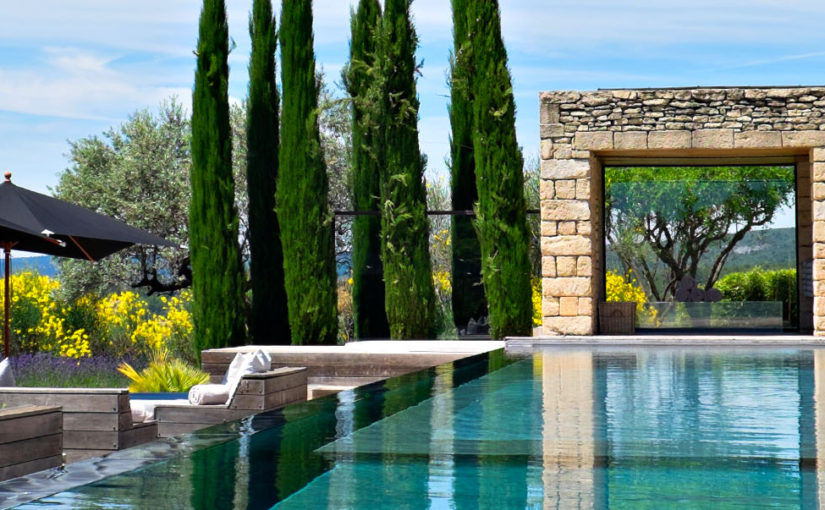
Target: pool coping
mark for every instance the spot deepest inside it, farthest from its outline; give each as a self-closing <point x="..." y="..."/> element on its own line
<point x="516" y="344"/>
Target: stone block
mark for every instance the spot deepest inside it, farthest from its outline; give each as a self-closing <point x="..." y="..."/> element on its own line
<point x="583" y="189"/>
<point x="567" y="228"/>
<point x="550" y="307"/>
<point x="819" y="250"/>
<point x="568" y="325"/>
<point x="570" y="287"/>
<point x="594" y="140"/>
<point x="757" y="139"/>
<point x="566" y="245"/>
<point x="669" y="139"/>
<point x="819" y="211"/>
<point x="630" y="140"/>
<point x="584" y="266"/>
<point x="818" y="191"/>
<point x="818" y="154"/>
<point x="583" y="228"/>
<point x="819" y="306"/>
<point x="566" y="266"/>
<point x="713" y="139"/>
<point x="819" y="231"/>
<point x="547" y="149"/>
<point x="565" y="168"/>
<point x="784" y="93"/>
<point x="625" y="94"/>
<point x="803" y="138"/>
<point x="818" y="171"/>
<point x="547" y="189"/>
<point x="566" y="189"/>
<point x="549" y="113"/>
<point x="593" y="99"/>
<point x="560" y="210"/>
<point x="819" y="270"/>
<point x="548" y="266"/>
<point x="586" y="307"/>
<point x="551" y="130"/>
<point x="563" y="151"/>
<point x="569" y="306"/>
<point x="549" y="228"/>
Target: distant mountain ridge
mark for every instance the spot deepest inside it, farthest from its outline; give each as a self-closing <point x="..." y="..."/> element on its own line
<point x="43" y="264"/>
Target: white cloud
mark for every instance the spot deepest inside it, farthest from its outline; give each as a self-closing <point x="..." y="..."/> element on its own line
<point x="69" y="82"/>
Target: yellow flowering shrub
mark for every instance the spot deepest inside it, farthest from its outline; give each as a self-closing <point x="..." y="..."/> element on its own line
<point x="130" y="328"/>
<point x="443" y="284"/>
<point x="38" y="319"/>
<point x="535" y="282"/>
<point x="620" y="288"/>
<point x="119" y="325"/>
<point x="617" y="288"/>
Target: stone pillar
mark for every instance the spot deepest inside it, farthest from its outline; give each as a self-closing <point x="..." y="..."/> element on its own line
<point x="818" y="198"/>
<point x="567" y="246"/>
<point x="804" y="246"/>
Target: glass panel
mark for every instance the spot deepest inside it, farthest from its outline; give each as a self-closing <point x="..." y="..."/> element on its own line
<point x="703" y="247"/>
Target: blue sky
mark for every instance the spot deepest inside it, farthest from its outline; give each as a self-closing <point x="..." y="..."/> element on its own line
<point x="73" y="69"/>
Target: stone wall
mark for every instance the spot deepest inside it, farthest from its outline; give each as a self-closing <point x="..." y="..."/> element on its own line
<point x="580" y="129"/>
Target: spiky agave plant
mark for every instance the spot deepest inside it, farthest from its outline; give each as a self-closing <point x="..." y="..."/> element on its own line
<point x="163" y="375"/>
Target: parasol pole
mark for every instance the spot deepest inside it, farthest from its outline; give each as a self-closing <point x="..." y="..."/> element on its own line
<point x="7" y="298"/>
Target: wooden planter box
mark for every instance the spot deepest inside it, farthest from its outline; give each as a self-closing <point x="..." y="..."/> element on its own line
<point x="617" y="318"/>
<point x="31" y="439"/>
<point x="96" y="421"/>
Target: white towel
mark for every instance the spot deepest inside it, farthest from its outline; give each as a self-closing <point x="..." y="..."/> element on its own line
<point x="208" y="394"/>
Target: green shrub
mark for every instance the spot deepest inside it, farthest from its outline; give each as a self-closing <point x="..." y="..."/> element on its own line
<point x="762" y="285"/>
<point x="164" y="374"/>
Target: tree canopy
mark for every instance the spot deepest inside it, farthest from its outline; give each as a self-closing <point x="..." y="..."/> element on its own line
<point x="218" y="311"/>
<point x="303" y="212"/>
<point x="410" y="296"/>
<point x="662" y="221"/>
<point x="369" y="316"/>
<point x="501" y="210"/>
<point x="268" y="322"/>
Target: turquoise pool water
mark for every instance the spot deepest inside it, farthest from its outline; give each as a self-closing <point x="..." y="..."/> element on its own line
<point x="605" y="428"/>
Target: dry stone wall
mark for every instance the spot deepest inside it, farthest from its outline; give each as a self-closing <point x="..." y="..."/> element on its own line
<point x="579" y="128"/>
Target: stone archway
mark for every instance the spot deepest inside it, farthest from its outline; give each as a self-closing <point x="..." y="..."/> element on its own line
<point x="583" y="131"/>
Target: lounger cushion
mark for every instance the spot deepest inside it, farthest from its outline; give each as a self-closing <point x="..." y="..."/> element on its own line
<point x="6" y="375"/>
<point x="143" y="410"/>
<point x="208" y="394"/>
<point x="242" y="364"/>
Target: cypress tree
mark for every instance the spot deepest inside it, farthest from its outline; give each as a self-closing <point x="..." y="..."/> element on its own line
<point x="468" y="293"/>
<point x="500" y="214"/>
<point x="305" y="219"/>
<point x="367" y="270"/>
<point x="217" y="274"/>
<point x="410" y="296"/>
<point x="268" y="323"/>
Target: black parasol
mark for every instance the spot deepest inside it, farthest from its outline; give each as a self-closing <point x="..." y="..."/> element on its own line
<point x="39" y="223"/>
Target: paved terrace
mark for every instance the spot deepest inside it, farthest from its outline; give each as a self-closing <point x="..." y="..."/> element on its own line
<point x="334" y="368"/>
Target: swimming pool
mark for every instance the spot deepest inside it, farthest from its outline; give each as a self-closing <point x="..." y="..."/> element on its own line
<point x="562" y="428"/>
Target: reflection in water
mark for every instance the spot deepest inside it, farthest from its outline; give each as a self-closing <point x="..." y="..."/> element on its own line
<point x="565" y="429"/>
<point x="568" y="422"/>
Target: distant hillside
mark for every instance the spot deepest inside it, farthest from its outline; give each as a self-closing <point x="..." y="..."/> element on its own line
<point x="42" y="264"/>
<point x="773" y="248"/>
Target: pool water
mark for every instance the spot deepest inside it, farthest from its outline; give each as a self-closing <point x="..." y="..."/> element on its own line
<point x="563" y="428"/>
